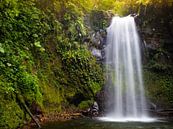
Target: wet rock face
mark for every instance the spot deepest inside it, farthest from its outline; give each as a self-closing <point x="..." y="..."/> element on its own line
<point x="103" y="98"/>
<point x="97" y="23"/>
<point x="93" y="111"/>
<point x="156" y="30"/>
<point x="98" y="41"/>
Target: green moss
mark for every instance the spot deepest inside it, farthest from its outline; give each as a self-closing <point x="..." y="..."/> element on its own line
<point x="52" y="98"/>
<point x="85" y="104"/>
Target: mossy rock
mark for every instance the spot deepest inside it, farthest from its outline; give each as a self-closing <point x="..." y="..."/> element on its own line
<point x="85" y="104"/>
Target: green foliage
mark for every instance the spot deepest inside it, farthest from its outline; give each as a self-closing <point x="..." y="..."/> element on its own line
<point x="116" y="7"/>
<point x="159" y="87"/>
<point x="28" y="86"/>
<point x="124" y="7"/>
<point x="159" y="67"/>
<point x="22" y="27"/>
<point x="159" y="62"/>
<point x="11" y="115"/>
<point x="99" y="20"/>
<point x="83" y="71"/>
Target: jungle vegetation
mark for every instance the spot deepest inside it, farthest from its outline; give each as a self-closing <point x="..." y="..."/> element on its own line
<point x="43" y="57"/>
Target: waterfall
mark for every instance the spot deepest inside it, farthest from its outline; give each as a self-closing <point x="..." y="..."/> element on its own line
<point x="124" y="72"/>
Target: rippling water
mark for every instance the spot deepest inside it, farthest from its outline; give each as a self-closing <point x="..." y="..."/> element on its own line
<point x="95" y="124"/>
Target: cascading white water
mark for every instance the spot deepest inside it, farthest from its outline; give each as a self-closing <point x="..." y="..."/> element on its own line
<point x="124" y="72"/>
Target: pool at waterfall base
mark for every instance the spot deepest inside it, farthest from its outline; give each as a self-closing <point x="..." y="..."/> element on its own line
<point x="129" y="119"/>
<point x="85" y="123"/>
